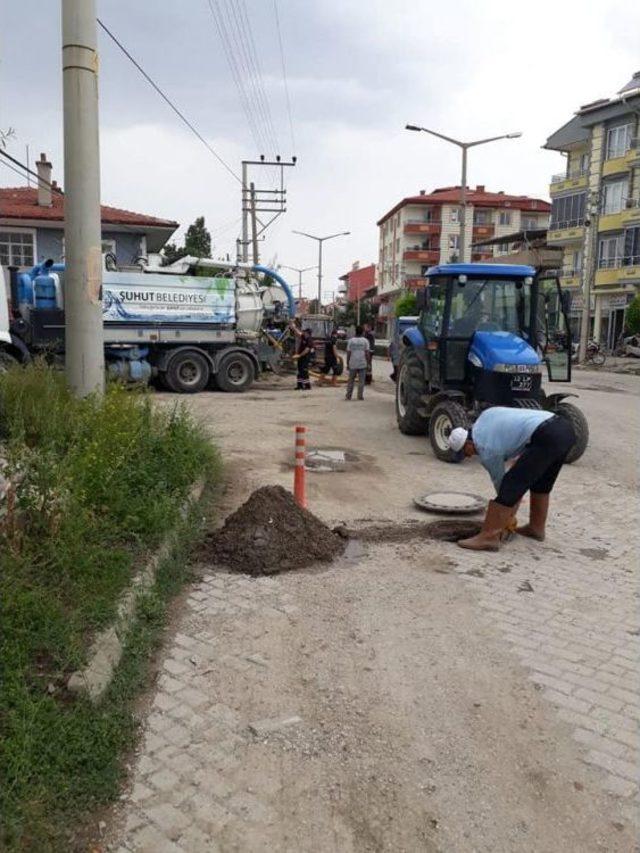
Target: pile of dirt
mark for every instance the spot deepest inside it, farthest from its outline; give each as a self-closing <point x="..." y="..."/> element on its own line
<point x="270" y="533"/>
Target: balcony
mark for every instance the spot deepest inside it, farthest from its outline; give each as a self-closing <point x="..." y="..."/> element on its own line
<point x="432" y="227"/>
<point x="424" y="256"/>
<point x="415" y="282"/>
<point x="622" y="219"/>
<point x="617" y="273"/>
<point x="570" y="277"/>
<point x="482" y="232"/>
<point x="565" y="233"/>
<point x="576" y="180"/>
<point x="615" y="166"/>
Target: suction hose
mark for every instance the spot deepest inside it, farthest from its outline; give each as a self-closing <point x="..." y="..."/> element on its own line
<point x="283" y="284"/>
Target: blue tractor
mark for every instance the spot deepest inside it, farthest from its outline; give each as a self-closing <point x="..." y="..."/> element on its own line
<point x="484" y="334"/>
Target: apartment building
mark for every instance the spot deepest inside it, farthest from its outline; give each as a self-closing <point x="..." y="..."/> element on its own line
<point x="595" y="214"/>
<point x="424" y="230"/>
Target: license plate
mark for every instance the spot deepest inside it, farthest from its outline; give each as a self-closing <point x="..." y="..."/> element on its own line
<point x="521" y="383"/>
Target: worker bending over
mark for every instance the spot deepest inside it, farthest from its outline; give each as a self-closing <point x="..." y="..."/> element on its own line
<point x="539" y="442"/>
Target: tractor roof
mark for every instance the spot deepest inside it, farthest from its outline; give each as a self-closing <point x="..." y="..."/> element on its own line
<point x="483" y="270"/>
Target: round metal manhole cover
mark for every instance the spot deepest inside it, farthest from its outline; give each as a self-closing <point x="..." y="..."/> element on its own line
<point x="451" y="503"/>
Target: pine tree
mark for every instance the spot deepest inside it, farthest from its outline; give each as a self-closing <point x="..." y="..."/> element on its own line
<point x="198" y="240"/>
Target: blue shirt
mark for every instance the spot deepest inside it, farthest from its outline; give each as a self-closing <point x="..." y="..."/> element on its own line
<point x="501" y="433"/>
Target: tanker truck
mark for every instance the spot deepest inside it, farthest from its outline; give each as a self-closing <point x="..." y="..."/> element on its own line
<point x="190" y="325"/>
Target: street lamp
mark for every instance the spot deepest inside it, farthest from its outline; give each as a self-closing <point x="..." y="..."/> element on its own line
<point x="320" y="241"/>
<point x="299" y="271"/>
<point x="463" y="184"/>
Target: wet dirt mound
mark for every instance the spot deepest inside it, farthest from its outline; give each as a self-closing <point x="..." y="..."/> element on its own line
<point x="447" y="530"/>
<point x="270" y="533"/>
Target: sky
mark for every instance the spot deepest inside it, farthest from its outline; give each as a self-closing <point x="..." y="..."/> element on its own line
<point x="357" y="72"/>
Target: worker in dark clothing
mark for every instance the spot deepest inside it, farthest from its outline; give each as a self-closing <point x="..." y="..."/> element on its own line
<point x="539" y="442"/>
<point x="303" y="358"/>
<point x="368" y="333"/>
<point x="331" y="359"/>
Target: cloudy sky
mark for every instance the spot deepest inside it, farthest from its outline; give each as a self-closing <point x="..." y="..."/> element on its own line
<point x="358" y="71"/>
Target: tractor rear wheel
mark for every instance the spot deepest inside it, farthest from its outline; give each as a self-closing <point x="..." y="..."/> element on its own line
<point x="445" y="417"/>
<point x="410" y="388"/>
<point x="580" y="426"/>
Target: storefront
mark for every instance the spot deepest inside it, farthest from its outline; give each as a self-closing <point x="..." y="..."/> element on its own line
<point x="610" y="317"/>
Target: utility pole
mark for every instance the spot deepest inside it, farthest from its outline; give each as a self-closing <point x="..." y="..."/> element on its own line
<point x="272" y="201"/>
<point x="588" y="277"/>
<point x="84" y="343"/>
<point x="254" y="225"/>
<point x="462" y="241"/>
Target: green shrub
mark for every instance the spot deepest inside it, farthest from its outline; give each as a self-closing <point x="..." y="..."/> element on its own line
<point x="633" y="316"/>
<point x="96" y="483"/>
<point x="406" y="305"/>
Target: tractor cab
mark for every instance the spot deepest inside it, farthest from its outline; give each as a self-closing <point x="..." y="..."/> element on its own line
<point x="484" y="336"/>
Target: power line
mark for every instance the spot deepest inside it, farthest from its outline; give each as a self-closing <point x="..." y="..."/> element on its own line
<point x="180" y="115"/>
<point x="284" y="76"/>
<point x="13" y="168"/>
<point x="29" y="171"/>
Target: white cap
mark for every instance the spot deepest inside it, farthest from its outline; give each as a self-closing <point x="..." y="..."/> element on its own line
<point x="457" y="438"/>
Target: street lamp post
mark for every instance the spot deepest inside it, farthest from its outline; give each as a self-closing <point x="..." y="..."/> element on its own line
<point x="320" y="241"/>
<point x="463" y="185"/>
<point x="299" y="271"/>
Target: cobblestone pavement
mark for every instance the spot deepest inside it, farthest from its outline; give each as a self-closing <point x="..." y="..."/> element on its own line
<point x="566" y="610"/>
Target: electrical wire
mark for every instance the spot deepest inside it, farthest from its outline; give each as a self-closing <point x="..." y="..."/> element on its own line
<point x="175" y="109"/>
<point x="29" y="171"/>
<point x="284" y="76"/>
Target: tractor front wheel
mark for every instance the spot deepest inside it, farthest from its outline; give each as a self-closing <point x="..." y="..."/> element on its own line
<point x="410" y="388"/>
<point x="445" y="417"/>
<point x="580" y="426"/>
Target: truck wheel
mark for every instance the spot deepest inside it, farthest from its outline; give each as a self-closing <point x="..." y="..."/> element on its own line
<point x="580" y="427"/>
<point x="445" y="417"/>
<point x="410" y="389"/>
<point x="235" y="372"/>
<point x="188" y="372"/>
<point x="7" y="361"/>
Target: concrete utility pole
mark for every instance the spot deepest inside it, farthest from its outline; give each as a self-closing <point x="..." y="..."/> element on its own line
<point x="254" y="224"/>
<point x="245" y="214"/>
<point x="462" y="243"/>
<point x="299" y="271"/>
<point x="84" y="337"/>
<point x="320" y="241"/>
<point x="589" y="274"/>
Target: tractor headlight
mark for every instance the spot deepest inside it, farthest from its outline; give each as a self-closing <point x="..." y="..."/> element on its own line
<point x="518" y="368"/>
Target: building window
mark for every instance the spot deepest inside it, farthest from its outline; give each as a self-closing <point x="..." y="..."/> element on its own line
<point x="505" y="217"/>
<point x="455" y="215"/>
<point x="17" y="248"/>
<point x="481" y="217"/>
<point x="584" y="163"/>
<point x="568" y="211"/>
<point x="503" y="248"/>
<point x="618" y="140"/>
<point x="614" y="195"/>
<point x="576" y="262"/>
<point x="631" y="247"/>
<point x="529" y="224"/>
<point x="610" y="251"/>
<point x="397" y="246"/>
<point x="454" y="241"/>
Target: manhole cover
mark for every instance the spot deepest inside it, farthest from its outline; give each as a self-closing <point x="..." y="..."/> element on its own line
<point x="451" y="503"/>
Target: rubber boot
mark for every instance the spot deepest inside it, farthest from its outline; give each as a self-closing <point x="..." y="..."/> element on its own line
<point x="495" y="521"/>
<point x="538" y="511"/>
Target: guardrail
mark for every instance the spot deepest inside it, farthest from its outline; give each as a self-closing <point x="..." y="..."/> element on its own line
<point x="619" y="263"/>
<point x="568" y="176"/>
<point x="568" y="223"/>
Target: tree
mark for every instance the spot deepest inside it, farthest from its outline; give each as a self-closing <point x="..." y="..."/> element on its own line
<point x="633" y="316"/>
<point x="406" y="305"/>
<point x="197" y="241"/>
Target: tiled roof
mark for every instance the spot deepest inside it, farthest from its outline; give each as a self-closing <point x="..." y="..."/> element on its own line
<point x="478" y="197"/>
<point x="22" y="203"/>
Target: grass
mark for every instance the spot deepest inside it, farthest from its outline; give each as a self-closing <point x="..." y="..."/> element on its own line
<point x="98" y="484"/>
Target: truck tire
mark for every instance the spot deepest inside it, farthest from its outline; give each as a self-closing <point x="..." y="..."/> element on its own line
<point x="188" y="372"/>
<point x="235" y="373"/>
<point x="7" y="361"/>
<point x="580" y="427"/>
<point x="410" y="388"/>
<point x="445" y="417"/>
